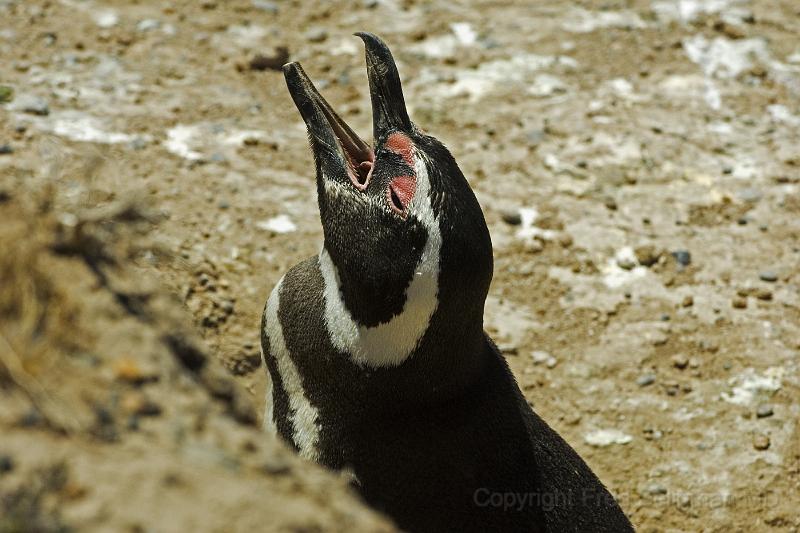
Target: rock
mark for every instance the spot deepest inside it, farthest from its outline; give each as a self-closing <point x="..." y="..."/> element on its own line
<point x="6" y="464"/>
<point x="6" y="149"/>
<point x="647" y="255"/>
<point x="750" y="195"/>
<point x="136" y="403"/>
<point x="148" y="25"/>
<point x="683" y="257"/>
<point x="739" y="303"/>
<point x="646" y="379"/>
<point x="764" y="411"/>
<point x="316" y="35"/>
<point x="508" y="349"/>
<point x="763" y="294"/>
<point x="533" y="246"/>
<point x="270" y="62"/>
<point x="130" y="371"/>
<point x="6" y="94"/>
<point x="656" y="489"/>
<point x="276" y="465"/>
<point x="33" y="105"/>
<point x="265" y="5"/>
<point x="512" y="217"/>
<point x="606" y="437"/>
<point x="543" y="358"/>
<point x="761" y="442"/>
<point x="768" y="275"/>
<point x="687" y="301"/>
<point x="626" y="263"/>
<point x="680" y="361"/>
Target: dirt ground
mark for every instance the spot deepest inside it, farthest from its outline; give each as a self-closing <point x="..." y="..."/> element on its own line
<point x="638" y="162"/>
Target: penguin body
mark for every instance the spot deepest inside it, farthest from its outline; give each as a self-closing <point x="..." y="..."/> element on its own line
<point x="375" y="348"/>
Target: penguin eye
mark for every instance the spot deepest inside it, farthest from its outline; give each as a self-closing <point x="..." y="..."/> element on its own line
<point x="400" y="193"/>
<point x="396" y="203"/>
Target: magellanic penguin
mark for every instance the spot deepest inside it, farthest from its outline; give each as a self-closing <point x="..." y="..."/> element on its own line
<point x="376" y="351"/>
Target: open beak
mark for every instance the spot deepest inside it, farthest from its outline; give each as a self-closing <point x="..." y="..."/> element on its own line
<point x="332" y="140"/>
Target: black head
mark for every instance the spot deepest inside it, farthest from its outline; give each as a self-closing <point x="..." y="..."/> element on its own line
<point x="395" y="212"/>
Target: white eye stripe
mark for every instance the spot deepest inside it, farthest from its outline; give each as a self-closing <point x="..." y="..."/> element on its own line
<point x="390" y="343"/>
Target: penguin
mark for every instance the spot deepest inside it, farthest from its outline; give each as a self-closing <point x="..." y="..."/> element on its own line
<point x="377" y="358"/>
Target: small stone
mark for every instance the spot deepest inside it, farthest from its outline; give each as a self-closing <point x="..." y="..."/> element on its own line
<point x="647" y="255"/>
<point x="512" y="217"/>
<point x="764" y="411"/>
<point x="265" y="5"/>
<point x="6" y="94"/>
<point x="316" y="35"/>
<point x="761" y="442"/>
<point x="680" y="361"/>
<point x="508" y="349"/>
<point x="31" y="104"/>
<point x="533" y="246"/>
<point x="565" y="240"/>
<point x="645" y="380"/>
<point x="6" y="464"/>
<point x="626" y="263"/>
<point x="687" y="301"/>
<point x="763" y="294"/>
<point x="136" y="403"/>
<point x="671" y="387"/>
<point x="683" y="257"/>
<point x="6" y="149"/>
<point x="130" y="371"/>
<point x="768" y="275"/>
<point x="750" y="195"/>
<point x="276" y="466"/>
<point x="148" y="25"/>
<point x="739" y="303"/>
<point x="656" y="490"/>
<point x="274" y="61"/>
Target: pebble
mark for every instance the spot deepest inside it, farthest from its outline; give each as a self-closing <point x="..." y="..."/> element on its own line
<point x="270" y="62"/>
<point x="680" y="361"/>
<point x="6" y="149"/>
<point x="626" y="263"/>
<point x="683" y="257"/>
<point x="148" y="25"/>
<point x="687" y="301"/>
<point x="136" y="403"/>
<point x="265" y="5"/>
<point x="763" y="294"/>
<point x="533" y="246"/>
<point x="750" y="195"/>
<point x="764" y="411"/>
<point x="739" y="303"/>
<point x="761" y="442"/>
<point x="768" y="275"/>
<point x="540" y="357"/>
<point x="656" y="489"/>
<point x="316" y="35"/>
<point x="647" y="255"/>
<point x="6" y="94"/>
<point x="508" y="349"/>
<point x="130" y="371"/>
<point x="6" y="464"/>
<point x="276" y="466"/>
<point x="512" y="217"/>
<point x="645" y="380"/>
<point x="33" y="105"/>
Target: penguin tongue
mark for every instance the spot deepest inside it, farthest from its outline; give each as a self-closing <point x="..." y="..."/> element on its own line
<point x="326" y="128"/>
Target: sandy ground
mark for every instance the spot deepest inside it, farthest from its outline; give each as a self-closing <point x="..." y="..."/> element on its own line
<point x="638" y="163"/>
